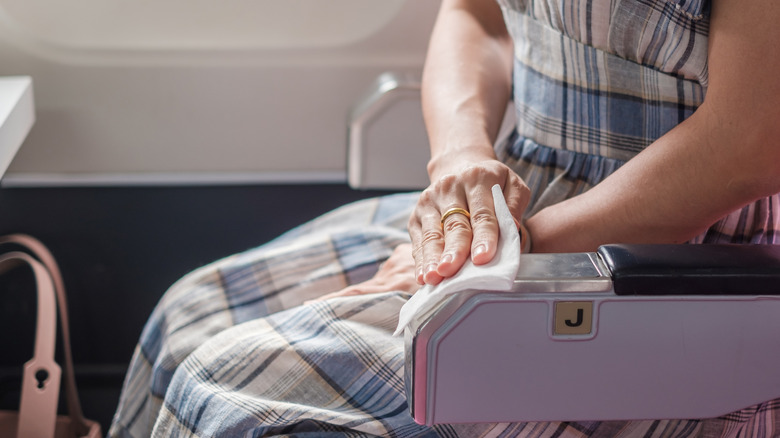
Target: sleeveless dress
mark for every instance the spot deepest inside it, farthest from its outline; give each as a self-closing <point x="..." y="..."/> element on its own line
<point x="597" y="81"/>
<point x="231" y="351"/>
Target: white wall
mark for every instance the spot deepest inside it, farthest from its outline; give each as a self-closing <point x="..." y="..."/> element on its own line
<point x="190" y="96"/>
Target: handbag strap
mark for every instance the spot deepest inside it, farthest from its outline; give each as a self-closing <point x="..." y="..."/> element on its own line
<point x="41" y="378"/>
<point x="48" y="274"/>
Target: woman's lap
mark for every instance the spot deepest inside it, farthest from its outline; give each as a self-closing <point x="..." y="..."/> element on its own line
<point x="327" y="254"/>
<point x="326" y="366"/>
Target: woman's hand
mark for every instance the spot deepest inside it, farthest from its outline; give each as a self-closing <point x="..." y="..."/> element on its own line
<point x="395" y="274"/>
<point x="441" y="248"/>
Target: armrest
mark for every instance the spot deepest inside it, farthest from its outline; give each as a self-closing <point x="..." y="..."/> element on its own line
<point x="693" y="269"/>
<point x="564" y="346"/>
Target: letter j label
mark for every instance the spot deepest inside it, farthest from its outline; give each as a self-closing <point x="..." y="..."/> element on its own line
<point x="573" y="318"/>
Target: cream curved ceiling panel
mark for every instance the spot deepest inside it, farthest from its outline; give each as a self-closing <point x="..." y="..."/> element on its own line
<point x="200" y="90"/>
<point x="197" y="24"/>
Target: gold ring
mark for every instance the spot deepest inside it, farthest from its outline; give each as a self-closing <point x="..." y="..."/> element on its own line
<point x="454" y="210"/>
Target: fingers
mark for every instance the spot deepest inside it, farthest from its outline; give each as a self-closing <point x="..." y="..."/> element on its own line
<point x="443" y="242"/>
<point x="457" y="240"/>
<point x="484" y="225"/>
<point x="440" y="247"/>
<point x="427" y="237"/>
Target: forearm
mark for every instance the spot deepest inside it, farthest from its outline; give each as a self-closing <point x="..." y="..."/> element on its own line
<point x="466" y="83"/>
<point x="671" y="192"/>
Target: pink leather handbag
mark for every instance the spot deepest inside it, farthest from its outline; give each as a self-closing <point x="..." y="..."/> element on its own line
<point x="37" y="416"/>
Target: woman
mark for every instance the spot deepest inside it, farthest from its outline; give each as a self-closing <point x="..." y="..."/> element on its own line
<point x="638" y="121"/>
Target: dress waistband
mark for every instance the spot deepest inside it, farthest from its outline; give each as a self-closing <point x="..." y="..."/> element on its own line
<point x="572" y="96"/>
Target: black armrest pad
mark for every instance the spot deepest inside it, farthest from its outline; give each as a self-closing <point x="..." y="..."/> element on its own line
<point x="693" y="269"/>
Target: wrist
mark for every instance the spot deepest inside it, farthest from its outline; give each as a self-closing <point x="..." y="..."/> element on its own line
<point x="452" y="161"/>
<point x="526" y="245"/>
<point x="535" y="226"/>
<point x="557" y="229"/>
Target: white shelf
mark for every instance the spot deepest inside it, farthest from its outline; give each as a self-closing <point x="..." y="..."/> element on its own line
<point x="17" y="115"/>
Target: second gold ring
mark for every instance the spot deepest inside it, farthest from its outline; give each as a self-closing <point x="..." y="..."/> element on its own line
<point x="455" y="210"/>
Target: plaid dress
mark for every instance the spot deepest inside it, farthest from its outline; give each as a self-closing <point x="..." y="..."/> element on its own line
<point x="231" y="351"/>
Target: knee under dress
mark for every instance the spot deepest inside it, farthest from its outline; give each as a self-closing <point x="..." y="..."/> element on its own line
<point x="230" y="350"/>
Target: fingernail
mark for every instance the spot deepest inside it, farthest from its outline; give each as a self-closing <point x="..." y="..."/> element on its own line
<point x="419" y="274"/>
<point x="480" y="249"/>
<point x="431" y="267"/>
<point x="446" y="258"/>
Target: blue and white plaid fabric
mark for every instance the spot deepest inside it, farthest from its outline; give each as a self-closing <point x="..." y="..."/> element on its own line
<point x="231" y="351"/>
